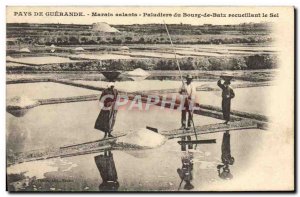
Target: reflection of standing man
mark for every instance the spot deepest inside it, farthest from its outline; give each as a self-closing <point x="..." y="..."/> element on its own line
<point x="227" y="159"/>
<point x="106" y="166"/>
<point x="188" y="91"/>
<point x="227" y="95"/>
<point x="185" y="173"/>
<point x="107" y="117"/>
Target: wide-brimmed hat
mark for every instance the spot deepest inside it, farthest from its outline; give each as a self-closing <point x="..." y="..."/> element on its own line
<point x="189" y="76"/>
<point x="226" y="77"/>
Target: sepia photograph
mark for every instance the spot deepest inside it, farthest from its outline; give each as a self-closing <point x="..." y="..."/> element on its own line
<point x="149" y="99"/>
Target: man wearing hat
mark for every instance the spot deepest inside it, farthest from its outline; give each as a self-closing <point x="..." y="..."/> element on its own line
<point x="227" y="95"/>
<point x="188" y="91"/>
<point x="107" y="116"/>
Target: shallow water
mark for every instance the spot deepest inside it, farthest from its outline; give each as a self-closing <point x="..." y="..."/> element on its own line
<point x="79" y="118"/>
<point x="101" y="56"/>
<point x="147" y="170"/>
<point x="46" y="90"/>
<point x="253" y="99"/>
<point x="42" y="60"/>
<point x="77" y="124"/>
<point x="156" y="169"/>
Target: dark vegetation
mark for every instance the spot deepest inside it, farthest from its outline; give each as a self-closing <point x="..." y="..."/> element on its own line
<point x="191" y="63"/>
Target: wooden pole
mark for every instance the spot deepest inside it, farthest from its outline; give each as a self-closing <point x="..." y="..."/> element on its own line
<point x="178" y="65"/>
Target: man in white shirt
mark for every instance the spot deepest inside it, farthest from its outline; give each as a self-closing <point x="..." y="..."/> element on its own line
<point x="188" y="91"/>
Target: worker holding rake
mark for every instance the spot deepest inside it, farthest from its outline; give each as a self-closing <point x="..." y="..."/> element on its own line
<point x="188" y="91"/>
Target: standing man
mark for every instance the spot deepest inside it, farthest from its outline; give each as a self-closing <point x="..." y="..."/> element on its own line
<point x="227" y="95"/>
<point x="188" y="91"/>
<point x="107" y="116"/>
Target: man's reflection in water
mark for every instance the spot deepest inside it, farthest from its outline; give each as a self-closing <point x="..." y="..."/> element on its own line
<point x="227" y="159"/>
<point x="106" y="166"/>
<point x="185" y="173"/>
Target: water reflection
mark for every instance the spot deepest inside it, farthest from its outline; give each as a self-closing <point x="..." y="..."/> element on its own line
<point x="140" y="78"/>
<point x="131" y="78"/>
<point x="107" y="169"/>
<point x="126" y="78"/>
<point x="19" y="137"/>
<point x="227" y="159"/>
<point x="17" y="112"/>
<point x="186" y="171"/>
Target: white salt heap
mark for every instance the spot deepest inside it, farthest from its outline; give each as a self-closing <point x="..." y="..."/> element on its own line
<point x="104" y="27"/>
<point x="142" y="138"/>
<point x="25" y="50"/>
<point x="8" y="58"/>
<point x="138" y="72"/>
<point x="19" y="102"/>
<point x="79" y="49"/>
<point x="124" y="48"/>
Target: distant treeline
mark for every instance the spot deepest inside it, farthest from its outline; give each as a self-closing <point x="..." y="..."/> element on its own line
<point x="67" y="34"/>
<point x="190" y="63"/>
<point x="179" y="29"/>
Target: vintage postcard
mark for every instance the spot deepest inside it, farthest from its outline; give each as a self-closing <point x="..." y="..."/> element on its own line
<point x="147" y="99"/>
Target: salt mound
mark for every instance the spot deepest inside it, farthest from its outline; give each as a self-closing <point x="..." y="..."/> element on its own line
<point x="20" y="103"/>
<point x="124" y="48"/>
<point x="8" y="58"/>
<point x="25" y="50"/>
<point x="19" y="106"/>
<point x="79" y="49"/>
<point x="138" y="72"/>
<point x="104" y="27"/>
<point x="142" y="138"/>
